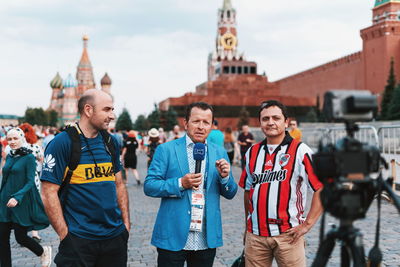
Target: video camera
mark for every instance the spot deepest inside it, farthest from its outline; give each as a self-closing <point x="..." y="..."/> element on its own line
<point x="345" y="167"/>
<point x="352" y="105"/>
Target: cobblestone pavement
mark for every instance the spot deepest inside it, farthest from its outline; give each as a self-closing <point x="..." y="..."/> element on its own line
<point x="143" y="211"/>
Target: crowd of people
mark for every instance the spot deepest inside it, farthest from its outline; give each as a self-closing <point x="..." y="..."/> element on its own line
<point x="76" y="179"/>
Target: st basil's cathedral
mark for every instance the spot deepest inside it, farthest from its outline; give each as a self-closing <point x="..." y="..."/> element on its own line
<point x="66" y="92"/>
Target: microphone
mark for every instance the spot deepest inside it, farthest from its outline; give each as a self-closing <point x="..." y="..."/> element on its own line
<point x="199" y="153"/>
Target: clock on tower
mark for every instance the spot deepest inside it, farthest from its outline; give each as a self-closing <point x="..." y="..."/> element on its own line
<point x="228" y="41"/>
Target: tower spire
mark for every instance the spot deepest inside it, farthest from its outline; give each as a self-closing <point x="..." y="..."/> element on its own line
<point x="226" y="43"/>
<point x="84" y="73"/>
<point x="85" y="57"/>
<point x="227" y="4"/>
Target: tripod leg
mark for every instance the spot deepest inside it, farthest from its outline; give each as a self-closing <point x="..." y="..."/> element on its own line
<point x="345" y="255"/>
<point x="357" y="250"/>
<point x="324" y="250"/>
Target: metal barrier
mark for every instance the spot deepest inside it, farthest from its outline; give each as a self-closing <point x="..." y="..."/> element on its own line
<point x="367" y="134"/>
<point x="389" y="143"/>
<point x="312" y="136"/>
<point x="389" y="139"/>
<point x="386" y="138"/>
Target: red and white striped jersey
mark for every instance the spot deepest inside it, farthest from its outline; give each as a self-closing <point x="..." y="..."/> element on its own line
<point x="278" y="184"/>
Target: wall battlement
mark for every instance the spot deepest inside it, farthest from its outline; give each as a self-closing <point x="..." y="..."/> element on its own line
<point x="337" y="63"/>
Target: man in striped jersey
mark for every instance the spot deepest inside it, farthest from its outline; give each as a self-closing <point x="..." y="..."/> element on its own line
<point x="276" y="179"/>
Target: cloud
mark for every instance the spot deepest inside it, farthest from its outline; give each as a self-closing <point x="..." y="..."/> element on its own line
<point x="156" y="49"/>
<point x="144" y="68"/>
<point x="150" y="68"/>
<point x="287" y="37"/>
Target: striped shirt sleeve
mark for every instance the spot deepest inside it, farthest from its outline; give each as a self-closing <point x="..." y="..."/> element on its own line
<point x="308" y="171"/>
<point x="246" y="179"/>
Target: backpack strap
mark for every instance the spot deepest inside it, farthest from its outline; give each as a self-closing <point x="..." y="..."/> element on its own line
<point x="74" y="158"/>
<point x="73" y="133"/>
<point x="109" y="145"/>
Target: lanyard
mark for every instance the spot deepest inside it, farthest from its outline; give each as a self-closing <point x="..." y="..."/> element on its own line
<point x="205" y="175"/>
<point x="97" y="170"/>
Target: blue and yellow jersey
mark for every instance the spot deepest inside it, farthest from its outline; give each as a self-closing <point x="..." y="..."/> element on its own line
<point x="91" y="209"/>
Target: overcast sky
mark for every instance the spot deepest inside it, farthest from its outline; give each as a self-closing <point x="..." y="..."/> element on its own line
<point x="155" y="49"/>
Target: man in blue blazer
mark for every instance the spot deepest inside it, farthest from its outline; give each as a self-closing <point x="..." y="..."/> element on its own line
<point x="188" y="225"/>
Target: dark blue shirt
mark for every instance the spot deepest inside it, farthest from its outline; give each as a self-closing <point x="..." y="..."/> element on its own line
<point x="91" y="209"/>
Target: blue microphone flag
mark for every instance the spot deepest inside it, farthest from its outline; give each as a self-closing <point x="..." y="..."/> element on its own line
<point x="199" y="151"/>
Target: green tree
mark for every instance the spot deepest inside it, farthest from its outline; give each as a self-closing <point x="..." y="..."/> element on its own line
<point x="124" y="121"/>
<point x="141" y="123"/>
<point x="394" y="106"/>
<point x="388" y="93"/>
<point x="35" y="116"/>
<point x="311" y="115"/>
<point x="318" y="108"/>
<point x="154" y="118"/>
<point x="243" y="117"/>
<point x="171" y="119"/>
<point x="52" y="117"/>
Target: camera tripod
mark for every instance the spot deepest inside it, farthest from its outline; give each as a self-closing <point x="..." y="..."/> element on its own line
<point x="351" y="248"/>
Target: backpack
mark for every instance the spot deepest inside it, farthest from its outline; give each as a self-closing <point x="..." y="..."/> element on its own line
<point x="76" y="155"/>
<point x="240" y="261"/>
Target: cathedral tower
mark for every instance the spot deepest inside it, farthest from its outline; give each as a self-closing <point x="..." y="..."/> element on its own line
<point x="106" y="83"/>
<point x="84" y="73"/>
<point x="56" y="86"/>
<point x="381" y="42"/>
<point x="70" y="107"/>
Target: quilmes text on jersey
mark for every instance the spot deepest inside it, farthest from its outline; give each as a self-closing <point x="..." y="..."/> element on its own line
<point x="269" y="176"/>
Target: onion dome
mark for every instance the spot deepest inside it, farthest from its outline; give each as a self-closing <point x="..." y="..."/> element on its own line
<point x="105" y="80"/>
<point x="57" y="82"/>
<point x="70" y="82"/>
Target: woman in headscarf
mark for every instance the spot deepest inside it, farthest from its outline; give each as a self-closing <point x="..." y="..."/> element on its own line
<point x="31" y="144"/>
<point x="21" y="207"/>
<point x="129" y="155"/>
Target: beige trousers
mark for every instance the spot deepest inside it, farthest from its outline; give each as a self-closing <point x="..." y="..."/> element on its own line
<point x="261" y="250"/>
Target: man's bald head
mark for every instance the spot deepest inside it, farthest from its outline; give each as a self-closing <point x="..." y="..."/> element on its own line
<point x="91" y="97"/>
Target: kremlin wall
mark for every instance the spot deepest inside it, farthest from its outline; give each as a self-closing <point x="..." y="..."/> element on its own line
<point x="233" y="82"/>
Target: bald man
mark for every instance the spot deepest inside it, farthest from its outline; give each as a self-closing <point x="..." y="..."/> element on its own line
<point x="92" y="218"/>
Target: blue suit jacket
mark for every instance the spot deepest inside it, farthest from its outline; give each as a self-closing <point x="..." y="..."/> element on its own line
<point x="170" y="162"/>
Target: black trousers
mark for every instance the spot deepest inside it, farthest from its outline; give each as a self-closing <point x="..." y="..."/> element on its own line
<point x="243" y="160"/>
<point x="194" y="258"/>
<point x="21" y="236"/>
<point x="230" y="156"/>
<point x="79" y="252"/>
